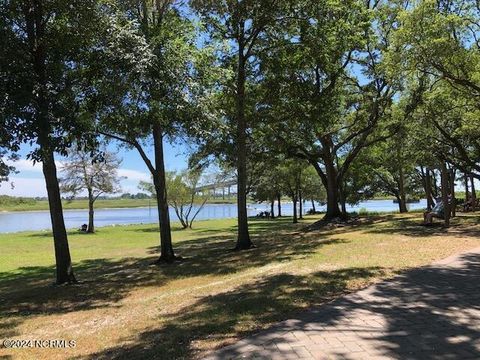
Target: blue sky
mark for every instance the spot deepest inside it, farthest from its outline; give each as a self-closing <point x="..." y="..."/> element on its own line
<point x="29" y="180"/>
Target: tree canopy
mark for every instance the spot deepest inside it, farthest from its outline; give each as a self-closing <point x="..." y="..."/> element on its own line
<point x="327" y="101"/>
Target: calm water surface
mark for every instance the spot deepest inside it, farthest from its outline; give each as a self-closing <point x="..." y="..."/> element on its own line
<point x="40" y="220"/>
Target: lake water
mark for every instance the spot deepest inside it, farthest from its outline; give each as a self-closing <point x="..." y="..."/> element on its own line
<point x="40" y="220"/>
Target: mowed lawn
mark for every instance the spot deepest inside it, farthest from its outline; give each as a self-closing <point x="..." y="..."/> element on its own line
<point x="124" y="307"/>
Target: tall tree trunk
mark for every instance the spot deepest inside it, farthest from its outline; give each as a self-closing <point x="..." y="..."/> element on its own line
<point x="279" y="204"/>
<point x="343" y="205"/>
<point x="272" y="207"/>
<point x="453" y="208"/>
<point x="445" y="193"/>
<point x="166" y="248"/>
<point x="300" y="203"/>
<point x="91" y="226"/>
<point x="402" y="202"/>
<point x="243" y="239"/>
<point x="428" y="190"/>
<point x="343" y="201"/>
<point x="333" y="211"/>
<point x="467" y="195"/>
<point x="35" y="29"/>
<point x="436" y="190"/>
<point x="473" y="191"/>
<point x="295" y="219"/>
<point x="63" y="260"/>
<point x="313" y="206"/>
<point x="402" y="206"/>
<point x="399" y="202"/>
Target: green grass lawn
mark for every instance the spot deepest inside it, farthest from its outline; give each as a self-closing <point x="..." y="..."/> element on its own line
<point x="124" y="307"/>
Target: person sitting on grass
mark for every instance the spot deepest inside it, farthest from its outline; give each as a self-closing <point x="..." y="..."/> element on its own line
<point x="437" y="212"/>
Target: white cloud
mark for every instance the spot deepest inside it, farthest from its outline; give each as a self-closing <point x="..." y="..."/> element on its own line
<point x="132" y="189"/>
<point x="134" y="175"/>
<point x="25" y="165"/>
<point x="28" y="187"/>
<point x="35" y="185"/>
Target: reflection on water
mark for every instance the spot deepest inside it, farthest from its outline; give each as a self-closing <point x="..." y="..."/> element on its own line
<point x="40" y="220"/>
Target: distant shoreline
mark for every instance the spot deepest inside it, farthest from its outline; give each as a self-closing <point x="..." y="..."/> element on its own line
<point x="101" y="204"/>
<point x="42" y="205"/>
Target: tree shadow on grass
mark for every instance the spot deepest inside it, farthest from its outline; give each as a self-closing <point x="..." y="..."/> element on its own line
<point x="8" y="328"/>
<point x="49" y="234"/>
<point x="256" y="227"/>
<point x="153" y="228"/>
<point x="409" y="225"/>
<point x="267" y="235"/>
<point x="104" y="282"/>
<point x="238" y="312"/>
<point x="29" y="290"/>
<point x="461" y="225"/>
